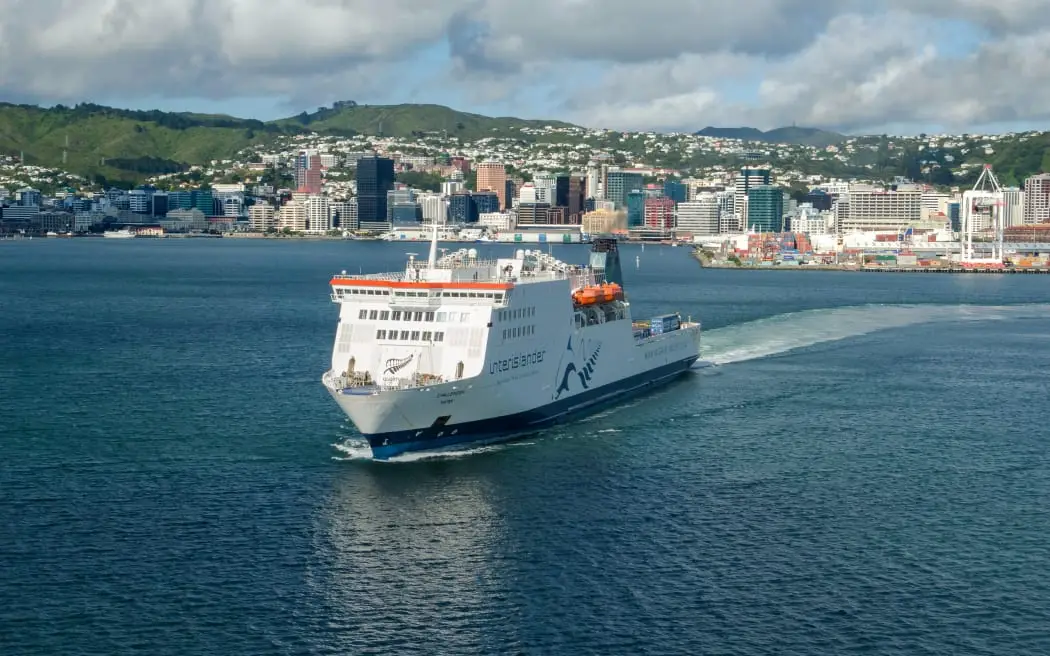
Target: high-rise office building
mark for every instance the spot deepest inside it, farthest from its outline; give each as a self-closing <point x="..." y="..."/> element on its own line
<point x="635" y="203"/>
<point x="621" y="183"/>
<point x="492" y="176"/>
<point x="308" y="173"/>
<point x="765" y="208"/>
<point x="375" y="177"/>
<point x="747" y="179"/>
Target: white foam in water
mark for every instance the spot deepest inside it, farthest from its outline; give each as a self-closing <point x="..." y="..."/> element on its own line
<point x="359" y="450"/>
<point x="794" y="330"/>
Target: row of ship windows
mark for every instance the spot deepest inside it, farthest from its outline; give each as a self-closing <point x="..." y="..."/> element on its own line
<point x="520" y="331"/>
<point x="398" y="315"/>
<point x="496" y="296"/>
<point x="520" y="313"/>
<point x="411" y="335"/>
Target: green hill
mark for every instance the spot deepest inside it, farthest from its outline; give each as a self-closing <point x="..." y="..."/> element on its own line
<point x="123" y="143"/>
<point x="129" y="144"/>
<point x="348" y="118"/>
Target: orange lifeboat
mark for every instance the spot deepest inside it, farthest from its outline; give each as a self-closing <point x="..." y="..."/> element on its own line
<point x="586" y="296"/>
<point x="605" y="293"/>
<point x="612" y="292"/>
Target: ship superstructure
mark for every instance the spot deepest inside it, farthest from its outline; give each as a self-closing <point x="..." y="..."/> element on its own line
<point x="459" y="349"/>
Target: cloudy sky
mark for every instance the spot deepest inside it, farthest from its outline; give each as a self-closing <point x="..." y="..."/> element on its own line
<point x="852" y="65"/>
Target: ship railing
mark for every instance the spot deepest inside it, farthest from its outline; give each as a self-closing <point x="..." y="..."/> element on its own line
<point x="393" y="276"/>
<point x="465" y="263"/>
<point x="364" y="382"/>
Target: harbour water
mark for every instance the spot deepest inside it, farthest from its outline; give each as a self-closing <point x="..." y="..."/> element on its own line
<point x="861" y="465"/>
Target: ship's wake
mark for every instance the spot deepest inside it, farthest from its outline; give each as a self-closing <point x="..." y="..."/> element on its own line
<point x="358" y="450"/>
<point x="794" y="330"/>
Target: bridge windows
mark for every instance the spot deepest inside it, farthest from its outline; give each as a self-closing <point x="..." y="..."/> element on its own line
<point x="380" y="334"/>
<point x="427" y="335"/>
<point x="373" y="314"/>
<point x="439" y="337"/>
<point x="396" y="316"/>
<point x="415" y="336"/>
<point x="384" y="315"/>
<point x="363" y="314"/>
<point x="404" y="335"/>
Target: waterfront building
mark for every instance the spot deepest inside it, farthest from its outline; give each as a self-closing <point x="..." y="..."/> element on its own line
<point x="868" y="208"/>
<point x="659" y="213"/>
<point x="261" y="217"/>
<point x="699" y="216"/>
<point x="343" y="214"/>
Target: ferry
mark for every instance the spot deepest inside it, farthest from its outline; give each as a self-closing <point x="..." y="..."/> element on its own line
<point x="126" y="233"/>
<point x="460" y="350"/>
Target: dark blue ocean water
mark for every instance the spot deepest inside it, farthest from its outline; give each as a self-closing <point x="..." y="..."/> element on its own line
<point x="864" y="469"/>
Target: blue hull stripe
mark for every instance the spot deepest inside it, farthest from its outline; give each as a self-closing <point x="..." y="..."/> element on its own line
<point x="500" y="429"/>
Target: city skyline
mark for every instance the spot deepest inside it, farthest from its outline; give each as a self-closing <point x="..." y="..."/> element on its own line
<point x="884" y="66"/>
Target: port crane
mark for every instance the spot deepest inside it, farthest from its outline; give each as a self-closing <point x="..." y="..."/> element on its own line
<point x="983" y="206"/>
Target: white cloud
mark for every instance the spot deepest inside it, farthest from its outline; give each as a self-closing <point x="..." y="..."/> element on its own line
<point x="847" y="64"/>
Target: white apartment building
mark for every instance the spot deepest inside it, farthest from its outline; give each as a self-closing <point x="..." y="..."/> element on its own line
<point x="1013" y="207"/>
<point x="292" y="216"/>
<point x="1037" y="199"/>
<point x="317" y="219"/>
<point x="435" y="208"/>
<point x="701" y="216"/>
<point x="261" y="217"/>
<point x="343" y="214"/>
<point x="451" y="186"/>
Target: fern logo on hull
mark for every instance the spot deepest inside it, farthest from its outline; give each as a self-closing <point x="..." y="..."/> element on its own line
<point x="576" y="370"/>
<point x="395" y="365"/>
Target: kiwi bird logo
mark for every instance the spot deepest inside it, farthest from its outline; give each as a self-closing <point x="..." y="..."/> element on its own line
<point x="583" y="372"/>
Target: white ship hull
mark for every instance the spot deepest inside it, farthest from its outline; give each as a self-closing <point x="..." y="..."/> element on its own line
<point x="500" y="406"/>
<point x="118" y="234"/>
<point x="502" y="358"/>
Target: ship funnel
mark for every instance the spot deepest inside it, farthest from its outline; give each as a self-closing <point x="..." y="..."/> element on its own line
<point x="605" y="258"/>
